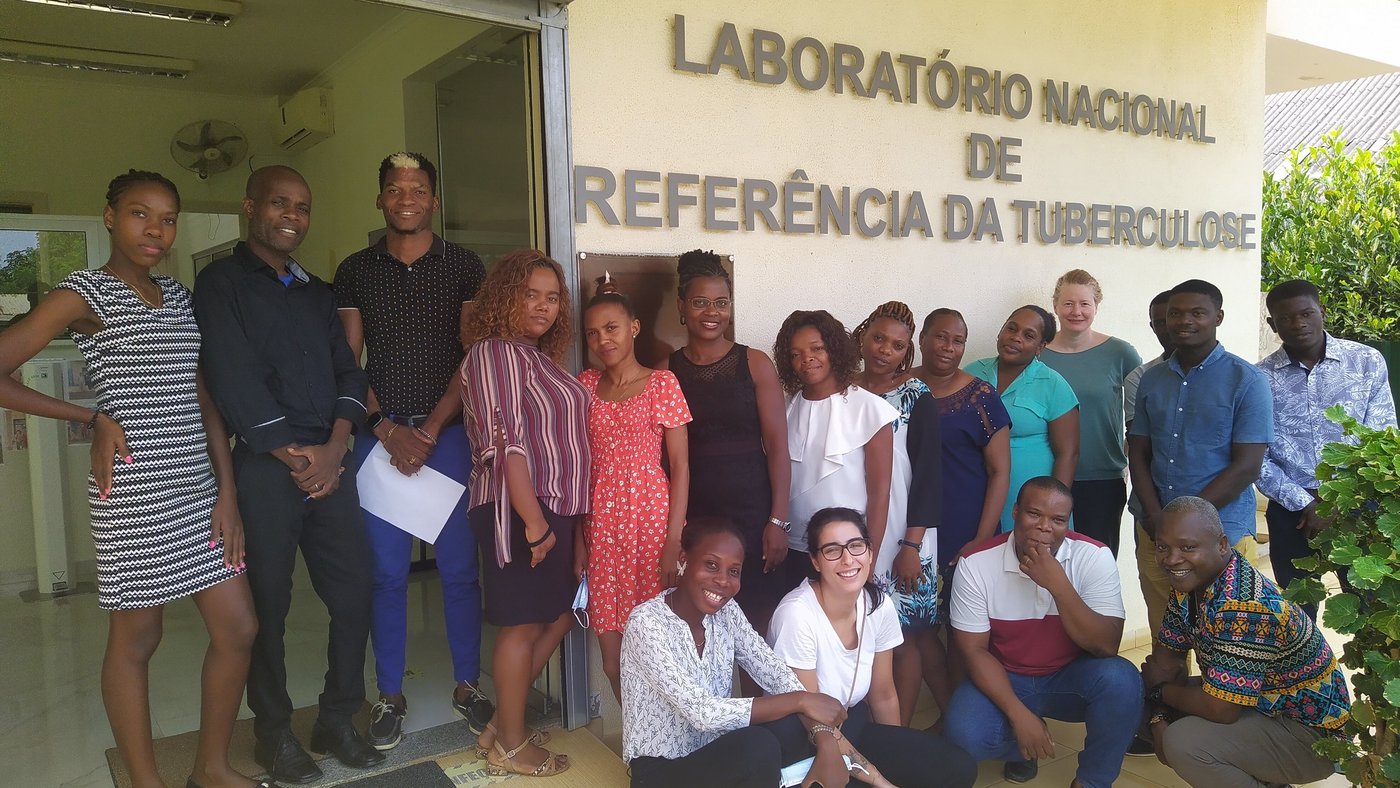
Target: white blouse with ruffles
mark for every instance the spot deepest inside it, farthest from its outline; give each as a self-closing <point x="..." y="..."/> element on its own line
<point x="826" y="444"/>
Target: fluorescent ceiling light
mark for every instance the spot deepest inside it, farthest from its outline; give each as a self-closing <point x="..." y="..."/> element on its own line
<point x="212" y="12"/>
<point x="34" y="53"/>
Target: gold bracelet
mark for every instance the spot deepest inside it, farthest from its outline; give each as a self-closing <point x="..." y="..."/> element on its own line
<point x="390" y="433"/>
<point x="812" y="734"/>
<point x="1156" y="718"/>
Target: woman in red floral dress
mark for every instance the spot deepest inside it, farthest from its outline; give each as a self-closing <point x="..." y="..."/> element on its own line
<point x="633" y="534"/>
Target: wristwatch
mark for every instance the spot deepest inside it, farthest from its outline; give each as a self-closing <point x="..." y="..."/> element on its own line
<point x="783" y="524"/>
<point x="918" y="548"/>
<point x="372" y="420"/>
<point x="1154" y="695"/>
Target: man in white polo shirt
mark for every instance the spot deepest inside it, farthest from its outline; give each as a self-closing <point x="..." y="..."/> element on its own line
<point x="1037" y="614"/>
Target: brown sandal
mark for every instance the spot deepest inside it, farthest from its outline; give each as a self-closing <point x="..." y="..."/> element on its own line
<point x="551" y="765"/>
<point x="539" y="738"/>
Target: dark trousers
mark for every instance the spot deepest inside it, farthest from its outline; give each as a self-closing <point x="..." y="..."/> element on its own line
<point x="1098" y="509"/>
<point x="331" y="536"/>
<point x="1287" y="542"/>
<point x="754" y="756"/>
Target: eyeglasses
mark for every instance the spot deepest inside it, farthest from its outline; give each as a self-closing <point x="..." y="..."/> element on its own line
<point x="857" y="546"/>
<point x="699" y="302"/>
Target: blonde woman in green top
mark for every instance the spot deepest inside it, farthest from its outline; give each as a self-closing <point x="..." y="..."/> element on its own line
<point x="1095" y="364"/>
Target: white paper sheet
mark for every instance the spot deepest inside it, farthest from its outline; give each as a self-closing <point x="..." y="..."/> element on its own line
<point x="419" y="504"/>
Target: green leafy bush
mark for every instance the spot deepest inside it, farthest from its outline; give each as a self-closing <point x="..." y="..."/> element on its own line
<point x="1360" y="492"/>
<point x="1337" y="227"/>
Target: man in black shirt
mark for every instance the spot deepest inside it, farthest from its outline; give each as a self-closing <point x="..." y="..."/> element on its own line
<point x="405" y="298"/>
<point x="276" y="361"/>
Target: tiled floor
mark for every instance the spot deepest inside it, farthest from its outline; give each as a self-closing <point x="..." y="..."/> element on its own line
<point x="55" y="732"/>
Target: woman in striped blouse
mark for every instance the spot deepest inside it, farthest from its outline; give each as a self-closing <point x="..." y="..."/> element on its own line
<point x="526" y="417"/>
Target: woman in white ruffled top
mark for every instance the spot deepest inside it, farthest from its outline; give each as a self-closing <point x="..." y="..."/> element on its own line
<point x="840" y="440"/>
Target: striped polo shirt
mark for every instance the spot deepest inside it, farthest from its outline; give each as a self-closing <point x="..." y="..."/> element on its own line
<point x="992" y="594"/>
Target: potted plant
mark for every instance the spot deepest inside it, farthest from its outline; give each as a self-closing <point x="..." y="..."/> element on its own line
<point x="1333" y="218"/>
<point x="1360" y="493"/>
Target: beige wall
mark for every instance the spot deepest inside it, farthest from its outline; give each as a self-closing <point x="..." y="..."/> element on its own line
<point x="66" y="138"/>
<point x="370" y="107"/>
<point x="631" y="109"/>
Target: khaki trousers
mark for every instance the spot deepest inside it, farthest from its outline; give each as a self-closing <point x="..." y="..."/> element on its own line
<point x="1252" y="751"/>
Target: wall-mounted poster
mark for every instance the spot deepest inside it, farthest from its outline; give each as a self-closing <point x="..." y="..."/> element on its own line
<point x="76" y="385"/>
<point x="16" y="436"/>
<point x="80" y="432"/>
<point x="650" y="282"/>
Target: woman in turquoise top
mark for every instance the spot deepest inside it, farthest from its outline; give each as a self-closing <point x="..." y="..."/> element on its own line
<point x="1044" y="411"/>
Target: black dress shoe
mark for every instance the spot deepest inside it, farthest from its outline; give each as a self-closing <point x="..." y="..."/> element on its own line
<point x="346" y="745"/>
<point x="285" y="760"/>
<point x="1020" y="771"/>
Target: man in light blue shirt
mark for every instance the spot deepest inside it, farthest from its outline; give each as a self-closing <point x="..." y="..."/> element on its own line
<point x="1310" y="373"/>
<point x="1202" y="420"/>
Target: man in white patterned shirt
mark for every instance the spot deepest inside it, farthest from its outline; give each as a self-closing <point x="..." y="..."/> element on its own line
<point x="1310" y="373"/>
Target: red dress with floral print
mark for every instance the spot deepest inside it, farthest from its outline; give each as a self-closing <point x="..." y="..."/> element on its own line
<point x="631" y="495"/>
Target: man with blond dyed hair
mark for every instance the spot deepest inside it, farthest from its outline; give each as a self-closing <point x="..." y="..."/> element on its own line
<point x="404" y="299"/>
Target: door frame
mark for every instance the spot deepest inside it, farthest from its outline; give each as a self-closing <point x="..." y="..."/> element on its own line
<point x="551" y="21"/>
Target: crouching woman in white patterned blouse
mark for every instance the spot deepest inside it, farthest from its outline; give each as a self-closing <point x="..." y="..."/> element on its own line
<point x="680" y="727"/>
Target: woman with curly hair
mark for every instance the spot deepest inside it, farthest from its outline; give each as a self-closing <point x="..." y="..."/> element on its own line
<point x="905" y="566"/>
<point x="527" y="419"/>
<point x="840" y="442"/>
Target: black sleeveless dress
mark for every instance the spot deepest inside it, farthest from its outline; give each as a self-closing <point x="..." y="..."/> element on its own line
<point x="728" y="467"/>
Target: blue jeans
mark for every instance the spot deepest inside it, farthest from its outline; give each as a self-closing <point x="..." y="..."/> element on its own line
<point x="457" y="564"/>
<point x="1105" y="693"/>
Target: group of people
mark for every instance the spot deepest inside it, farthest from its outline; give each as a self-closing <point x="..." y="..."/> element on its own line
<point x="842" y="526"/>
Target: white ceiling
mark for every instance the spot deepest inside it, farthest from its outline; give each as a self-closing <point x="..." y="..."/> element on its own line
<point x="273" y="48"/>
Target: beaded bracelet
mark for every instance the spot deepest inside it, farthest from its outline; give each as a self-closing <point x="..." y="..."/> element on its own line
<point x="812" y="734"/>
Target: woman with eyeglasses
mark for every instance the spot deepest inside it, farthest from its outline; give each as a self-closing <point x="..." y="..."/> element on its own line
<point x="840" y="441"/>
<point x="682" y="727"/>
<point x="738" y="438"/>
<point x="838" y="634"/>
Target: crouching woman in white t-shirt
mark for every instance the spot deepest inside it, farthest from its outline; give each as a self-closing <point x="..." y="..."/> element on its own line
<point x="837" y="633"/>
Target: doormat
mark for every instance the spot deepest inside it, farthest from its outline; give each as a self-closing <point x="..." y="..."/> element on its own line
<point x="419" y="775"/>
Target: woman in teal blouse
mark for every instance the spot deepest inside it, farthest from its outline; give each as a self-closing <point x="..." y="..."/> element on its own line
<point x="1044" y="411"/>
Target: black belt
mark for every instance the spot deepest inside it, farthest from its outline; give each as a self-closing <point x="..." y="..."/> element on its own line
<point x="418" y="421"/>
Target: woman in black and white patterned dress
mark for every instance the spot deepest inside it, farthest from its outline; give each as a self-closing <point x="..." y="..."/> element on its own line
<point x="164" y="513"/>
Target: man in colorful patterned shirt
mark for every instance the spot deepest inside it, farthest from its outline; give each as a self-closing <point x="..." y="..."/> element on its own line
<point x="1269" y="684"/>
<point x="1310" y="373"/>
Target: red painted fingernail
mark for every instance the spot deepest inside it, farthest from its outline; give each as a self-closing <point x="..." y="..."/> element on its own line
<point x="212" y="543"/>
<point x="102" y="495"/>
<point x="128" y="459"/>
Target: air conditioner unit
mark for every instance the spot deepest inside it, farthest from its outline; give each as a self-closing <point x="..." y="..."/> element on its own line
<point x="305" y="119"/>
